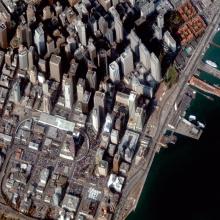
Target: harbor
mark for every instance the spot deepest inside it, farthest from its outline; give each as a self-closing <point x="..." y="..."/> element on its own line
<point x="186" y="168"/>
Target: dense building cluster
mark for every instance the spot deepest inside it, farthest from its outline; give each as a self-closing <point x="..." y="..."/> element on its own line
<point x="77" y="85"/>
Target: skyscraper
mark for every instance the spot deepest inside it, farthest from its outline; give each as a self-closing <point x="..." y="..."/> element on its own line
<point x="96" y="119"/>
<point x="127" y="61"/>
<point x="116" y="163"/>
<point x="80" y="89"/>
<point x="55" y="67"/>
<point x="144" y="56"/>
<point x="132" y="103"/>
<point x="31" y="52"/>
<point x="16" y="92"/>
<point x="81" y="29"/>
<point x="103" y="61"/>
<point x="155" y="67"/>
<point x="91" y="77"/>
<point x="39" y="40"/>
<point x="114" y="72"/>
<point x="119" y="30"/>
<point x="68" y="93"/>
<point x="23" y="57"/>
<point x="160" y="20"/>
<point x="134" y="42"/>
<point x="3" y="35"/>
<point x="168" y="39"/>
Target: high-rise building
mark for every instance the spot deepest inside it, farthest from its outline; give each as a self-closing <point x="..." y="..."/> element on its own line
<point x="68" y="93"/>
<point x="16" y="92"/>
<point x="23" y="57"/>
<point x="103" y="25"/>
<point x="50" y="45"/>
<point x="127" y="61"/>
<point x="144" y="56"/>
<point x="73" y="2"/>
<point x="119" y="30"/>
<point x="100" y="101"/>
<point x="3" y="35"/>
<point x="96" y="119"/>
<point x="33" y="75"/>
<point x="81" y="30"/>
<point x="103" y="61"/>
<point x="91" y="78"/>
<point x="116" y="163"/>
<point x="106" y="4"/>
<point x="31" y="53"/>
<point x="55" y="67"/>
<point x="39" y="40"/>
<point x="157" y="32"/>
<point x="134" y="42"/>
<point x="85" y="103"/>
<point x="92" y="50"/>
<point x="155" y="67"/>
<point x="114" y="72"/>
<point x="47" y="104"/>
<point x="168" y="39"/>
<point x="132" y="103"/>
<point x="160" y="20"/>
<point x="80" y="89"/>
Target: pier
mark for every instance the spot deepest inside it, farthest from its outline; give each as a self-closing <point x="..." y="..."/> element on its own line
<point x="198" y="83"/>
<point x="209" y="69"/>
<point x="214" y="44"/>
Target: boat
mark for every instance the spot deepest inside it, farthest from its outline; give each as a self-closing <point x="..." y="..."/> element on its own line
<point x="200" y="124"/>
<point x="192" y="118"/>
<point x="211" y="63"/>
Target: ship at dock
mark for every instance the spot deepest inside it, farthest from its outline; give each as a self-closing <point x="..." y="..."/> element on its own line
<point x="211" y="63"/>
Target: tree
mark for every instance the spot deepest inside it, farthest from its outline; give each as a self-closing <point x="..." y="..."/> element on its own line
<point x="171" y="76"/>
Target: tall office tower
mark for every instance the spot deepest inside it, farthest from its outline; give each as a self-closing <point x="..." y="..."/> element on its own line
<point x="9" y="57"/>
<point x="81" y="29"/>
<point x="110" y="35"/>
<point x="132" y="103"/>
<point x="157" y="32"/>
<point x="39" y="40"/>
<point x="73" y="2"/>
<point x="23" y="57"/>
<point x="47" y="106"/>
<point x="85" y="103"/>
<point x="116" y="163"/>
<point x="55" y="67"/>
<point x="168" y="39"/>
<point x="21" y="33"/>
<point x="33" y="75"/>
<point x="71" y="41"/>
<point x="144" y="56"/>
<point x="16" y="92"/>
<point x="93" y="24"/>
<point x="96" y="119"/>
<point x="119" y="30"/>
<point x="92" y="50"/>
<point x="31" y="54"/>
<point x="160" y="20"/>
<point x="106" y="4"/>
<point x="103" y="61"/>
<point x="114" y="72"/>
<point x="45" y="88"/>
<point x="127" y="62"/>
<point x="100" y="101"/>
<point x="80" y="89"/>
<point x="68" y="93"/>
<point x="50" y="45"/>
<point x="115" y="2"/>
<point x="132" y="2"/>
<point x="155" y="67"/>
<point x="3" y="35"/>
<point x="91" y="77"/>
<point x="134" y="42"/>
<point x="30" y="12"/>
<point x="103" y="25"/>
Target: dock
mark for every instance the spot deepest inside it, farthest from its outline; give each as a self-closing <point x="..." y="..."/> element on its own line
<point x="209" y="69"/>
<point x="205" y="87"/>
